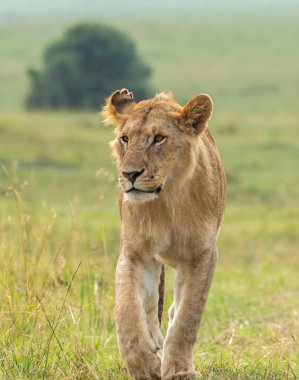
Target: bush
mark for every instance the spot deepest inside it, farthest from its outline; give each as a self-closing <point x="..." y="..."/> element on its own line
<point x="84" y="67"/>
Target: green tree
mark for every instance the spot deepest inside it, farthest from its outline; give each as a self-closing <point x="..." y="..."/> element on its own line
<point x="84" y="67"/>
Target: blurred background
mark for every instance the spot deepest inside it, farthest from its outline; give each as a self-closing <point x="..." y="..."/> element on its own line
<point x="59" y="221"/>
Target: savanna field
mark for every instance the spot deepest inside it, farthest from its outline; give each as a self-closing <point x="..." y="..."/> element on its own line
<point x="59" y="221"/>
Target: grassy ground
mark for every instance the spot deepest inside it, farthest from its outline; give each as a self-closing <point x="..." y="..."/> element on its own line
<point x="59" y="242"/>
<point x="59" y="220"/>
<point x="251" y="66"/>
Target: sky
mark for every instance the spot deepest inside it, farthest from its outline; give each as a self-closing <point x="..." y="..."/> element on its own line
<point x="14" y="10"/>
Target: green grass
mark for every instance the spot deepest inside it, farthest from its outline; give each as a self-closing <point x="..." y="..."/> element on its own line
<point x="251" y="66"/>
<point x="57" y="214"/>
<point x="59" y="223"/>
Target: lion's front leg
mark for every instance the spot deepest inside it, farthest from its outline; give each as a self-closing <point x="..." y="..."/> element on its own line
<point x="137" y="325"/>
<point x="192" y="285"/>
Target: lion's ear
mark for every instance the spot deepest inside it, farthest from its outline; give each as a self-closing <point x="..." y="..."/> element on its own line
<point x="196" y="113"/>
<point x="118" y="107"/>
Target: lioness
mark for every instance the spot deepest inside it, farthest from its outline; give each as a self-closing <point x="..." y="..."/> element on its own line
<point x="171" y="202"/>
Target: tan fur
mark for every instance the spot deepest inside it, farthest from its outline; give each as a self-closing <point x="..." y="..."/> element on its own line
<point x="173" y="219"/>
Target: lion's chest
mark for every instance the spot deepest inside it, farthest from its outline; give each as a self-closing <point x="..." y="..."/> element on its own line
<point x="177" y="251"/>
<point x="171" y="237"/>
<point x="184" y="247"/>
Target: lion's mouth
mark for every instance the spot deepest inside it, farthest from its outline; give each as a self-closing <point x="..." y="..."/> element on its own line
<point x="154" y="191"/>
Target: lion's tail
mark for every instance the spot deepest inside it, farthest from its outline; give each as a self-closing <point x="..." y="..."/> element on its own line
<point x="161" y="293"/>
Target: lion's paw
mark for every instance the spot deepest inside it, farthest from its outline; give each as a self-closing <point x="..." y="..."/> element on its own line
<point x="184" y="375"/>
<point x="144" y="365"/>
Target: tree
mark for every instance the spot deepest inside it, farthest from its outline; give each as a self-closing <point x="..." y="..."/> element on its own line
<point x="84" y="67"/>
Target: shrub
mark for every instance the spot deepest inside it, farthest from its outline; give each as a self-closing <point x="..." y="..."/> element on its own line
<point x="84" y="67"/>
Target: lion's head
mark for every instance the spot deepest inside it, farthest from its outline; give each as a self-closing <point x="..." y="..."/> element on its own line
<point x="156" y="142"/>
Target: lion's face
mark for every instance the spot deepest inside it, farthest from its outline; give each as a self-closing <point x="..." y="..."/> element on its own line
<point x="154" y="148"/>
<point x="150" y="152"/>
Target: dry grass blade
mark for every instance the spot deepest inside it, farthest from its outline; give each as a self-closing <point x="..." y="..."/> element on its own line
<point x="49" y="322"/>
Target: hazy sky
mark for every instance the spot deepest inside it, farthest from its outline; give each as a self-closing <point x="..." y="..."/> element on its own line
<point x="126" y="9"/>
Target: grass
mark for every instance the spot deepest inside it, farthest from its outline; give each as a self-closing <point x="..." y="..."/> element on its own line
<point x="59" y="227"/>
<point x="251" y="65"/>
<point x="59" y="223"/>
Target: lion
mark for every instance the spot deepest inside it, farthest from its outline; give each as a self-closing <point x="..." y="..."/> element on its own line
<point x="172" y="199"/>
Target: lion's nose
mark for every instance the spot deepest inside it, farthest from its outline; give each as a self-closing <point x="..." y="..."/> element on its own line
<point x="131" y="176"/>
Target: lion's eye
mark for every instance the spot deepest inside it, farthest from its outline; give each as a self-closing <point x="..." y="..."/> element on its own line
<point x="125" y="139"/>
<point x="158" y="139"/>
